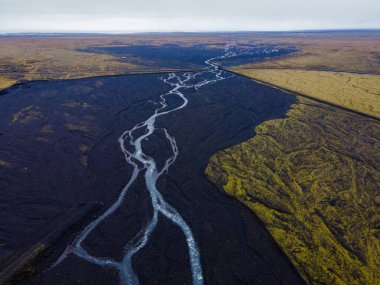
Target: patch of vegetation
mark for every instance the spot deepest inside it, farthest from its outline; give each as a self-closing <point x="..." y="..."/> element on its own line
<point x="81" y="128"/>
<point x="359" y="92"/>
<point x="27" y="115"/>
<point x="6" y="164"/>
<point x="313" y="179"/>
<point x="47" y="129"/>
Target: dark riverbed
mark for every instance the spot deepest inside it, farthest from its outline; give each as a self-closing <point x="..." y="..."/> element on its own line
<point x="48" y="175"/>
<point x="175" y="56"/>
<point x="59" y="151"/>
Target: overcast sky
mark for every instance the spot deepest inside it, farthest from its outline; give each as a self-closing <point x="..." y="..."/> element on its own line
<point x="185" y="15"/>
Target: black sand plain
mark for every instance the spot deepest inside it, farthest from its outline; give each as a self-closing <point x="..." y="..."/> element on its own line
<point x="59" y="140"/>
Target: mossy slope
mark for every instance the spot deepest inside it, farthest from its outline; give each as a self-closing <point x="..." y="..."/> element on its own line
<point x="313" y="179"/>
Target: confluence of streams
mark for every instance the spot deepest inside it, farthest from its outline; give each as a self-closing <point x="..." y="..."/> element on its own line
<point x="136" y="158"/>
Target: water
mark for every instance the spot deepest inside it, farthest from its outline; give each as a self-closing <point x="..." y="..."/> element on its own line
<point x="146" y="165"/>
<point x="232" y="244"/>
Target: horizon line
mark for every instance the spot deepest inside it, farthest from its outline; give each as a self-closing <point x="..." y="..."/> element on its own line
<point x="52" y="32"/>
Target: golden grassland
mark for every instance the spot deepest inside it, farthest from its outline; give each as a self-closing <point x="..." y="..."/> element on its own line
<point x="312" y="70"/>
<point x="359" y="92"/>
<point x="6" y="82"/>
<point x="351" y="52"/>
<point x="32" y="58"/>
<point x="313" y="179"/>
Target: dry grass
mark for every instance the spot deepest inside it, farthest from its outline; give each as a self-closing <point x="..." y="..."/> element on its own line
<point x="30" y="61"/>
<point x="31" y="58"/>
<point x="359" y="92"/>
<point x="333" y="52"/>
<point x="313" y="180"/>
<point x="5" y="82"/>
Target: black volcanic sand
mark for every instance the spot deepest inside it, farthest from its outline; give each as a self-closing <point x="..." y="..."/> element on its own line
<point x="46" y="178"/>
<point x="174" y="56"/>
